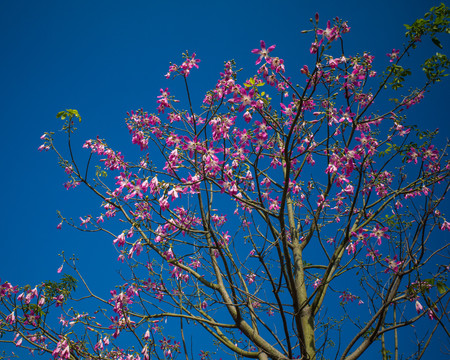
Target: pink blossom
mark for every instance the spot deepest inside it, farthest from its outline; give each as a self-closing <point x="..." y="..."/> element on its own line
<point x="317" y="283"/>
<point x="164" y="203"/>
<point x="59" y="300"/>
<point x="445" y="225"/>
<point x="379" y="232"/>
<point x="361" y="236"/>
<point x="44" y="147"/>
<point x="250" y="278"/>
<point x="372" y="253"/>
<point x="188" y="64"/>
<point x="346" y="296"/>
<point x="419" y="307"/>
<point x="315" y="47"/>
<point x="263" y="52"/>
<point x="11" y="318"/>
<point x="85" y="221"/>
<point x="329" y="33"/>
<point x="393" y="264"/>
<point x="393" y="55"/>
<point x="120" y="240"/>
<point x="431" y="314"/>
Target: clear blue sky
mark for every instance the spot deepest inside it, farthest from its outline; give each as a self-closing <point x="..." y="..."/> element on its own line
<point x="105" y="58"/>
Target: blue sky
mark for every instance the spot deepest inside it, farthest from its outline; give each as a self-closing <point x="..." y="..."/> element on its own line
<point x="105" y="58"/>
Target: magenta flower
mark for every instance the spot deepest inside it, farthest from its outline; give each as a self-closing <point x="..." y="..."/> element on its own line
<point x="393" y="55"/>
<point x="393" y="264"/>
<point x="85" y="221"/>
<point x="317" y="283"/>
<point x="346" y="297"/>
<point x="19" y="342"/>
<point x="120" y="240"/>
<point x="419" y="307"/>
<point x="373" y="254"/>
<point x="360" y="236"/>
<point x="263" y="52"/>
<point x="431" y="313"/>
<point x="331" y="33"/>
<point x="445" y="225"/>
<point x="379" y="232"/>
<point x="250" y="278"/>
<point x="315" y="47"/>
<point x="347" y="115"/>
<point x="11" y="318"/>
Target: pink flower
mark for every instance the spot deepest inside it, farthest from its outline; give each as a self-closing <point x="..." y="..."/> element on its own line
<point x="315" y="47"/>
<point x="250" y="278"/>
<point x="346" y="297"/>
<point x="360" y="236"/>
<point x="164" y="203"/>
<point x="263" y="52"/>
<point x="188" y="64"/>
<point x="43" y="147"/>
<point x="379" y="233"/>
<point x="329" y="33"/>
<point x="393" y="264"/>
<point x="59" y="300"/>
<point x="373" y="254"/>
<point x="317" y="283"/>
<point x="11" y="318"/>
<point x="60" y="268"/>
<point x="445" y="225"/>
<point x="85" y="221"/>
<point x="431" y="314"/>
<point x="419" y="307"/>
<point x="393" y="55"/>
<point x="120" y="239"/>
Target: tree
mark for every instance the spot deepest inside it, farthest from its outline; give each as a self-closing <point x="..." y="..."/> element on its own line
<point x="248" y="218"/>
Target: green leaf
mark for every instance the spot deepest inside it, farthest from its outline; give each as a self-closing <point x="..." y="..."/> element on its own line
<point x="441" y="287"/>
<point x="437" y="42"/>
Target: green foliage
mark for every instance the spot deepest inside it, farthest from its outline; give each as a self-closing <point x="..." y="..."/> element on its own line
<point x="434" y="67"/>
<point x="99" y="172"/>
<point x="68" y="116"/>
<point x="65" y="286"/>
<point x="435" y="21"/>
<point x="399" y="74"/>
<point x="441" y="287"/>
<point x="69" y="113"/>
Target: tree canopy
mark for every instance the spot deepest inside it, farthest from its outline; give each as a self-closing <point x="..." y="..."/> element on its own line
<point x="290" y="215"/>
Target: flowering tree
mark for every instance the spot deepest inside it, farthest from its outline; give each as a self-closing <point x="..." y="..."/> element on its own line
<point x="258" y="211"/>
